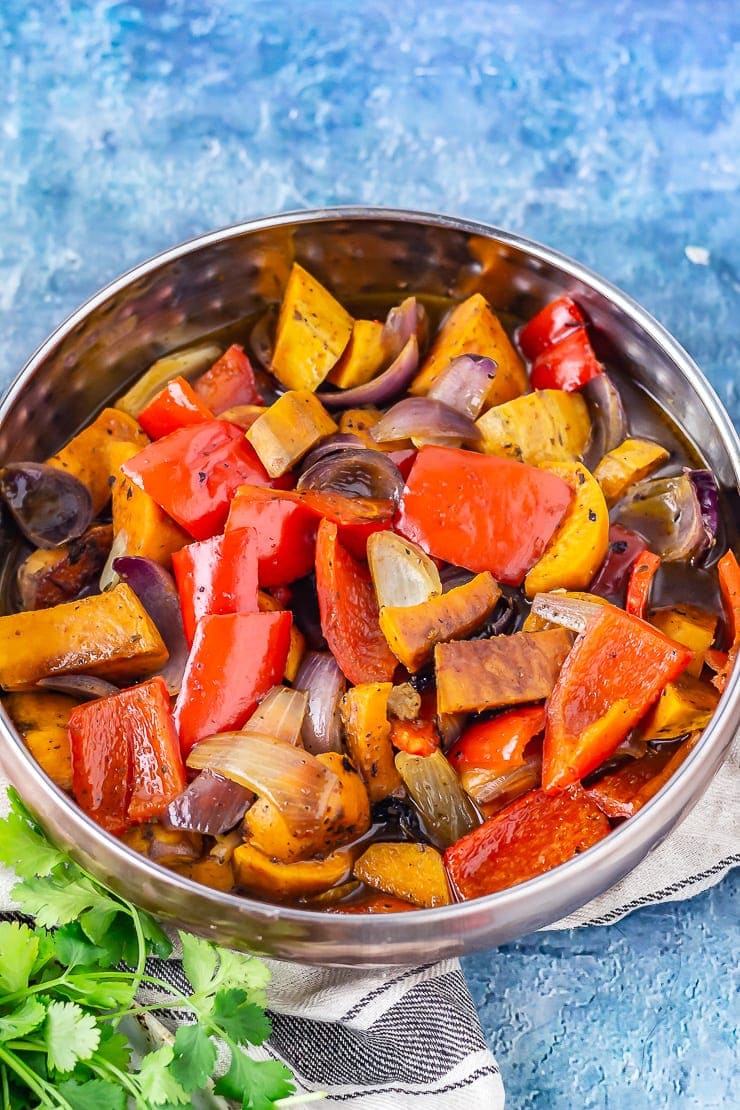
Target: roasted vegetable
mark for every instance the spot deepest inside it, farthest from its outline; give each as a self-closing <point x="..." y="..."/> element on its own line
<point x="688" y="625"/>
<point x="537" y="428"/>
<point x="289" y="429"/>
<point x="140" y="525"/>
<point x="87" y="455"/>
<point x="729" y="582"/>
<point x="287" y="882"/>
<point x="49" y="578"/>
<point x="218" y="575"/>
<point x="363" y="357"/>
<point x="110" y="635"/>
<point x="413" y="872"/>
<point x="41" y="720"/>
<point x="312" y="331"/>
<point x="632" y="461"/>
<point x="367" y="730"/>
<point x="491" y="757"/>
<point x="175" y="406"/>
<point x="473" y="329"/>
<point x="577" y="548"/>
<point x="413" y="630"/>
<point x="685" y="705"/>
<point x="473" y="675"/>
<point x="568" y="364"/>
<point x="643" y="572"/>
<point x="186" y="363"/>
<point x="435" y="789"/>
<point x="402" y="573"/>
<point x="230" y="383"/>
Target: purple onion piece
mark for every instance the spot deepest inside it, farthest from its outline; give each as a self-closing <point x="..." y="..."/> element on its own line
<point x="319" y="675"/>
<point x="612" y="576"/>
<point x="49" y="505"/>
<point x="330" y="445"/>
<point x="84" y="686"/>
<point x="355" y="473"/>
<point x="464" y="383"/>
<point x="211" y="804"/>
<point x="667" y="513"/>
<point x="707" y="493"/>
<point x="305" y="608"/>
<point x="404" y="320"/>
<point x="382" y="389"/>
<point x="424" y="417"/>
<point x="156" y="590"/>
<point x="608" y="419"/>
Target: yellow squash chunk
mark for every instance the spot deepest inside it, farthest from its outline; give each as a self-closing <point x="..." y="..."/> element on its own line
<point x="141" y="527"/>
<point x="413" y="630"/>
<point x="312" y="331"/>
<point x="215" y="873"/>
<point x="684" y="706"/>
<point x="347" y="817"/>
<point x="688" y="625"/>
<point x="86" y="456"/>
<point x="41" y="720"/>
<point x="363" y="356"/>
<point x="535" y="623"/>
<point x="413" y="872"/>
<point x="579" y="545"/>
<point x="367" y="731"/>
<point x="186" y="364"/>
<point x="473" y="329"/>
<point x="287" y="882"/>
<point x="110" y="635"/>
<point x="632" y="461"/>
<point x="549" y="425"/>
<point x="291" y="427"/>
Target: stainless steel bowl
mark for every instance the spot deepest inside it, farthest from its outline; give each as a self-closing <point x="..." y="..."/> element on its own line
<point x="209" y="284"/>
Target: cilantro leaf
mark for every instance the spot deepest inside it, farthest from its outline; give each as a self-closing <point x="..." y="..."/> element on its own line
<point x="114" y="1048"/>
<point x="23" y="1020"/>
<point x="57" y="900"/>
<point x="239" y="1018"/>
<point x="158" y="1084"/>
<point x="161" y="944"/>
<point x="210" y="969"/>
<point x="256" y="1084"/>
<point x="96" y="993"/>
<point x="97" y="922"/>
<point x="95" y="1094"/>
<point x="70" y="1035"/>
<point x="194" y="1059"/>
<point x="23" y="846"/>
<point x="73" y="948"/>
<point x="199" y="962"/>
<point x="18" y="951"/>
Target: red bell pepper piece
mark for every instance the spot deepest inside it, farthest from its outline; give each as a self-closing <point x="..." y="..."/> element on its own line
<point x="616" y="669"/>
<point x="729" y="584"/>
<point x="498" y="745"/>
<point x="615" y="793"/>
<point x="126" y="762"/>
<point x="568" y="365"/>
<point x="234" y="660"/>
<point x="551" y="324"/>
<point x="641" y="579"/>
<point x="285" y="533"/>
<point x="530" y="836"/>
<point x="481" y="512"/>
<point x="175" y="406"/>
<point x="612" y="576"/>
<point x="229" y="382"/>
<point x="194" y="472"/>
<point x="218" y="575"/>
<point x="349" y="611"/>
<point x="414" y="737"/>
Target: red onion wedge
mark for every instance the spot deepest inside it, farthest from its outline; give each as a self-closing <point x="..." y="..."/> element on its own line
<point x="49" y="505"/>
<point x="382" y="389"/>
<point x="211" y="804"/>
<point x="404" y="320"/>
<point x="464" y="383"/>
<point x="705" y="488"/>
<point x="84" y="686"/>
<point x="421" y="418"/>
<point x="330" y="445"/>
<point x="667" y="513"/>
<point x="296" y="783"/>
<point x="156" y="590"/>
<point x="280" y="714"/>
<point x="608" y="419"/>
<point x="323" y="682"/>
<point x="355" y="473"/>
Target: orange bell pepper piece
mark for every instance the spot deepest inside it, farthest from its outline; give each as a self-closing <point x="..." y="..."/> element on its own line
<point x="729" y="584"/>
<point x="616" y="669"/>
<point x="641" y="579"/>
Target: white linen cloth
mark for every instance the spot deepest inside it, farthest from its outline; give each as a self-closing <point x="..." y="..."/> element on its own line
<point x="413" y="1038"/>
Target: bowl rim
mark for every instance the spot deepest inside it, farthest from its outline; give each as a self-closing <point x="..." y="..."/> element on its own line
<point x="675" y="795"/>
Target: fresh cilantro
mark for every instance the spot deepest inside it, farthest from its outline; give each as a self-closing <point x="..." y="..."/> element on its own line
<point x="67" y="1006"/>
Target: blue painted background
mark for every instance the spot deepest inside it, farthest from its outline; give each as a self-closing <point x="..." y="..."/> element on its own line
<point x="610" y="131"/>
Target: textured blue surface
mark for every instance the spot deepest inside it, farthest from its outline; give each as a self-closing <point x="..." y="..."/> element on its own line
<point x="610" y="131"/>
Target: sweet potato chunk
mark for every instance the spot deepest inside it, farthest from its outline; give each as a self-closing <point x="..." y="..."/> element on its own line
<point x="41" y="719"/>
<point x="287" y="882"/>
<point x="50" y="577"/>
<point x="685" y="705"/>
<point x="688" y="625"/>
<point x="148" y="530"/>
<point x="110" y="635"/>
<point x="505" y="670"/>
<point x="367" y="730"/>
<point x="363" y="356"/>
<point x="313" y="329"/>
<point x="473" y="329"/>
<point x="413" y="872"/>
<point x="532" y="835"/>
<point x="86" y="456"/>
<point x="549" y="425"/>
<point x="288" y="429"/>
<point x="630" y="462"/>
<point x="413" y="630"/>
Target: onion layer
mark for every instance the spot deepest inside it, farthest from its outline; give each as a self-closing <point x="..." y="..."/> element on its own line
<point x="49" y="505"/>
<point x="705" y="488"/>
<point x="570" y="612"/>
<point x="358" y="472"/>
<point x="323" y="683"/>
<point x="437" y="792"/>
<point x="494" y="792"/>
<point x="156" y="590"/>
<point x="279" y="715"/>
<point x="382" y="389"/>
<point x="464" y="383"/>
<point x="85" y="686"/>
<point x="667" y="514"/>
<point x="402" y="573"/>
<point x="211" y="804"/>
<point x="608" y="419"/>
<point x="425" y="420"/>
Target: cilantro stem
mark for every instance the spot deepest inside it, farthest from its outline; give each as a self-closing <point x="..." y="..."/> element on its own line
<point x="6" y="1089"/>
<point x="104" y="1067"/>
<point x="42" y="1089"/>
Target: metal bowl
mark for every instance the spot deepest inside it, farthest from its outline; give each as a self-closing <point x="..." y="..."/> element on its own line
<point x="207" y="285"/>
